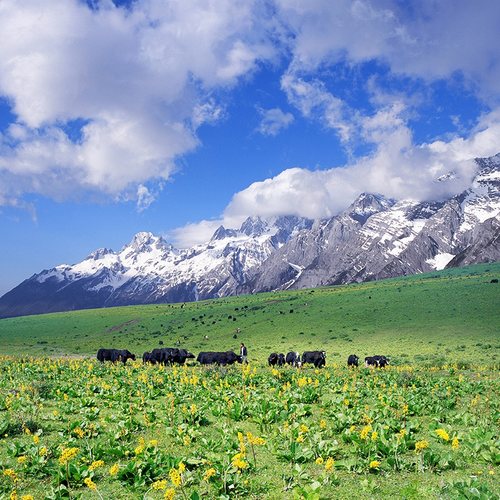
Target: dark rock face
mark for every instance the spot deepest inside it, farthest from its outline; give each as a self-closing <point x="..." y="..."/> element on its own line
<point x="373" y="238"/>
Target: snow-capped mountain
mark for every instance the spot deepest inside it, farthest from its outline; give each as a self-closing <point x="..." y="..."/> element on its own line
<point x="374" y="238"/>
<point x="380" y="238"/>
<point x="149" y="270"/>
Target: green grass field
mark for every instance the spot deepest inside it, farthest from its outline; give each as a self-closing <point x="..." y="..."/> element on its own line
<point x="424" y="428"/>
<point x="447" y="316"/>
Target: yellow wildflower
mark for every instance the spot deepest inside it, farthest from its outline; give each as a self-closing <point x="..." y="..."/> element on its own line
<point x="42" y="451"/>
<point x="10" y="473"/>
<point x="159" y="485"/>
<point x="322" y="424"/>
<point x="186" y="440"/>
<point x="208" y="474"/>
<point x="319" y="460"/>
<point x="364" y="431"/>
<point x="258" y="441"/>
<point x="374" y="464"/>
<point x="113" y="470"/>
<point x="96" y="464"/>
<point x="169" y="494"/>
<point x="443" y="434"/>
<point x="330" y="462"/>
<point x="36" y="439"/>
<point x="454" y="443"/>
<point x="301" y="382"/>
<point x="303" y="428"/>
<point x="90" y="484"/>
<point x="374" y="435"/>
<point x="421" y="445"/>
<point x="22" y="459"/>
<point x="175" y="477"/>
<point x="181" y="468"/>
<point x="300" y="438"/>
<point x="67" y="454"/>
<point x="13" y="495"/>
<point x="27" y="497"/>
<point x="79" y="432"/>
<point x="239" y="462"/>
<point x="153" y="442"/>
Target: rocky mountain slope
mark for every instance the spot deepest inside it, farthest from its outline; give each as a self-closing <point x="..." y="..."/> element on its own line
<point x="379" y="238"/>
<point x="150" y="270"/>
<point x="374" y="238"/>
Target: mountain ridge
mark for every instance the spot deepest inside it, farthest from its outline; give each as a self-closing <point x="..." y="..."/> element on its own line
<point x="374" y="238"/>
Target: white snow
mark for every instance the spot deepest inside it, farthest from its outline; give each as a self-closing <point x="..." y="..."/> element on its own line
<point x="440" y="260"/>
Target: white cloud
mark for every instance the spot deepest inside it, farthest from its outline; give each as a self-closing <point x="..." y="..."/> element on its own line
<point x="144" y="197"/>
<point x="142" y="80"/>
<point x="139" y="79"/>
<point x="274" y="121"/>
<point x="193" y="233"/>
<point x="313" y="100"/>
<point x="397" y="168"/>
<point x="426" y="39"/>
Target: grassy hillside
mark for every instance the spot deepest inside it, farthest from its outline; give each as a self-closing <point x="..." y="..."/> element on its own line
<point x="452" y="315"/>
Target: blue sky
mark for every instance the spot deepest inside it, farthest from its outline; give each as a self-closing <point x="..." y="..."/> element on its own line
<point x="175" y="117"/>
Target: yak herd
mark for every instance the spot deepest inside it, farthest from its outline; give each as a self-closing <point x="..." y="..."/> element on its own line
<point x="171" y="355"/>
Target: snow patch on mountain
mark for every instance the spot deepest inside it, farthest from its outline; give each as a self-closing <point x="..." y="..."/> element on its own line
<point x="440" y="260"/>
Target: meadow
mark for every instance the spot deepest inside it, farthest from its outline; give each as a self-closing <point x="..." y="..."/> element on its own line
<point x="426" y="427"/>
<point x="447" y="316"/>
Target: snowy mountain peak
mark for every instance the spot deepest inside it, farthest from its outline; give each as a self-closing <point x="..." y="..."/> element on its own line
<point x="254" y="226"/>
<point x="221" y="233"/>
<point x="488" y="175"/>
<point x="146" y="241"/>
<point x="449" y="176"/>
<point x="99" y="254"/>
<point x="368" y="204"/>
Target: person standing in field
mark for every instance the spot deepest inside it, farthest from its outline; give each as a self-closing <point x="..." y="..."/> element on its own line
<point x="243" y="353"/>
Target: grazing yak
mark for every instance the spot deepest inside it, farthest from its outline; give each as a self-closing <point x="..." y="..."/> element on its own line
<point x="218" y="358"/>
<point x="114" y="355"/>
<point x="352" y="360"/>
<point x="276" y="359"/>
<point x="169" y="356"/>
<point x="317" y="358"/>
<point x="376" y="361"/>
<point x="293" y="358"/>
<point x="148" y="358"/>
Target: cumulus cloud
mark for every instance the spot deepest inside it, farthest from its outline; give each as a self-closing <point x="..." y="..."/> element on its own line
<point x="398" y="168"/>
<point x="274" y="121"/>
<point x="422" y="38"/>
<point x="107" y="99"/>
<point x="194" y="233"/>
<point x="313" y="100"/>
<point x="132" y="85"/>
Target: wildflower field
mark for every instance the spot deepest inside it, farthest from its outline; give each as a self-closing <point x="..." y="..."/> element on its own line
<point x="425" y="427"/>
<point x="75" y="428"/>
